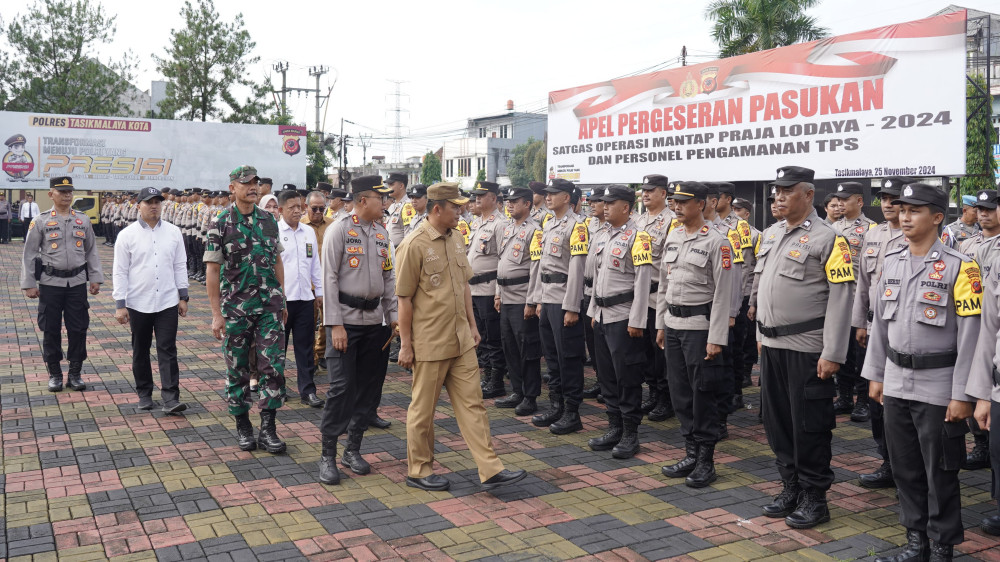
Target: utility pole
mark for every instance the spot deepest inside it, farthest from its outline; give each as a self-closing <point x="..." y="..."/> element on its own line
<point x="282" y="67"/>
<point x="684" y="55"/>
<point x="366" y="141"/>
<point x="318" y="71"/>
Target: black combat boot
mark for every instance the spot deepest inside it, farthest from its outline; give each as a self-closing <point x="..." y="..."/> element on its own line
<point x="683" y="467"/>
<point x="628" y="447"/>
<point x="73" y="379"/>
<point x="550" y="416"/>
<point x="704" y="470"/>
<point x="861" y="412"/>
<point x="917" y="549"/>
<point x="244" y="433"/>
<point x="663" y="410"/>
<point x="785" y="502"/>
<point x="979" y="456"/>
<point x="328" y="473"/>
<point x="495" y="388"/>
<point x="569" y="422"/>
<point x="55" y="376"/>
<point x="845" y="402"/>
<point x="611" y="438"/>
<point x="811" y="511"/>
<point x="881" y="478"/>
<point x="267" y="438"/>
<point x="650" y="402"/>
<point x="526" y="407"/>
<point x="511" y="401"/>
<point x="352" y="455"/>
<point x="942" y="552"/>
<point x="592" y="392"/>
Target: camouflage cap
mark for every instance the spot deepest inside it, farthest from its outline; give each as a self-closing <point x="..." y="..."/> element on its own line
<point x="243" y="174"/>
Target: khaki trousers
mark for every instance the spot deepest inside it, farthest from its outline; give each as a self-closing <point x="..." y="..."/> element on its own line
<point x="460" y="375"/>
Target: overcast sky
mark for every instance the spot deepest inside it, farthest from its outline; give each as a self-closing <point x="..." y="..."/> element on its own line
<point x="463" y="58"/>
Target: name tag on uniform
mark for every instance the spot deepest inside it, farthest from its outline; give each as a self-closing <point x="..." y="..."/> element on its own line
<point x="309" y="250"/>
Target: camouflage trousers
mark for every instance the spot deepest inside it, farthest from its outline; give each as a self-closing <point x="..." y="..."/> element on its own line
<point x="267" y="335"/>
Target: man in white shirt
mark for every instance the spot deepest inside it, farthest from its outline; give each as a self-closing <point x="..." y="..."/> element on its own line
<point x="303" y="285"/>
<point x="27" y="211"/>
<point x="150" y="292"/>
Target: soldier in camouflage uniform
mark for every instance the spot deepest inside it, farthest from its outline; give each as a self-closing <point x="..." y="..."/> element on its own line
<point x="243" y="258"/>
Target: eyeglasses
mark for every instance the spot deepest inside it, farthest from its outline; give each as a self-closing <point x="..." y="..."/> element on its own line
<point x="317" y="209"/>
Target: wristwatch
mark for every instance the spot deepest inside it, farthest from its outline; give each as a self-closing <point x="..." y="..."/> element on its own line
<point x="185" y="299"/>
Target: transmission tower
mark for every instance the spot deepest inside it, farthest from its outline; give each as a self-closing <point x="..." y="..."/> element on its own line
<point x="396" y="124"/>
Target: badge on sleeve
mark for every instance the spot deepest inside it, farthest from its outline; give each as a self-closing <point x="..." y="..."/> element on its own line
<point x="642" y="249"/>
<point x="968" y="290"/>
<point x="535" y="248"/>
<point x="838" y="265"/>
<point x="580" y="240"/>
<point x="727" y="259"/>
<point x="407" y="213"/>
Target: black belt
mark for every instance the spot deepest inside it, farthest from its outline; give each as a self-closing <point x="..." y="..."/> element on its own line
<point x="791" y="329"/>
<point x="588" y="281"/>
<point x="554" y="278"/>
<point x="924" y="361"/>
<point x="605" y="302"/>
<point x="689" y="311"/>
<point x="483" y="278"/>
<point x="871" y="315"/>
<point x="653" y="287"/>
<point x="358" y="302"/>
<point x="996" y="377"/>
<point x="508" y="281"/>
<point x="53" y="272"/>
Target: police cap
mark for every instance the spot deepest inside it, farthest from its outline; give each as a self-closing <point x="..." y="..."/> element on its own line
<point x="923" y="194"/>
<point x="559" y="185"/>
<point x="619" y="193"/>
<point x="791" y="175"/>
<point x="893" y="185"/>
<point x="848" y="189"/>
<point x="368" y="183"/>
<point x="686" y="190"/>
<point x="653" y="181"/>
<point x="396" y="176"/>
<point x="62" y="183"/>
<point x="986" y="199"/>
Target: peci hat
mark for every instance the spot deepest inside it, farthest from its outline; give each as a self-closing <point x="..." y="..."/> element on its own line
<point x="446" y="191"/>
<point x="63" y="183"/>
<point x="653" y="181"/>
<point x="791" y="175"/>
<point x="848" y="189"/>
<point x="244" y="174"/>
<point x="148" y="193"/>
<point x="368" y="183"/>
<point x="686" y="190"/>
<point x="923" y="194"/>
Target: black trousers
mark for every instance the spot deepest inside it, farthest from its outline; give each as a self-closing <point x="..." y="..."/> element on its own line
<point x="927" y="453"/>
<point x="750" y="340"/>
<point x="4" y="230"/>
<point x="742" y="362"/>
<point x="59" y="304"/>
<point x="849" y="379"/>
<point x="588" y="331"/>
<point x="877" y="412"/>
<point x="995" y="449"/>
<point x="655" y="367"/>
<point x="563" y="347"/>
<point x="694" y="384"/>
<point x="356" y="378"/>
<point x="490" y="350"/>
<point x="522" y="348"/>
<point x="798" y="416"/>
<point x="163" y="324"/>
<point x="618" y="358"/>
<point x="301" y="329"/>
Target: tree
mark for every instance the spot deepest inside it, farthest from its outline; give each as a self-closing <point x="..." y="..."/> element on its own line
<point x="747" y="26"/>
<point x="431" y="171"/>
<point x="317" y="153"/>
<point x="481" y="175"/>
<point x="980" y="165"/>
<point x="527" y="163"/>
<point x="55" y="66"/>
<point x="205" y="64"/>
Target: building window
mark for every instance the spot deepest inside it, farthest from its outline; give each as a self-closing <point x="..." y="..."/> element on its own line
<point x="503" y="132"/>
<point x="481" y="164"/>
<point x="450" y="168"/>
<point x="464" y="167"/>
<point x="482" y="132"/>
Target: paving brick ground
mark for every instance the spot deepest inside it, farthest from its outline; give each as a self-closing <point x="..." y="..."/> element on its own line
<point x="87" y="476"/>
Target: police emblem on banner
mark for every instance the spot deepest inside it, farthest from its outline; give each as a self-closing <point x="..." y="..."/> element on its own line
<point x="290" y="139"/>
<point x="709" y="79"/>
<point x="17" y="163"/>
<point x="689" y="87"/>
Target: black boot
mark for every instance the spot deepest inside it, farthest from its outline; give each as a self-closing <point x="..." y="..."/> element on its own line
<point x="942" y="552"/>
<point x="526" y="407"/>
<point x="704" y="470"/>
<point x="509" y="402"/>
<point x="845" y="402"/>
<point x="592" y="392"/>
<point x="650" y="402"/>
<point x="611" y="438"/>
<point x="328" y="473"/>
<point x="683" y="467"/>
<point x="73" y="379"/>
<point x="569" y="422"/>
<point x="979" y="456"/>
<point x="663" y="410"/>
<point x="881" y="478"/>
<point x="991" y="525"/>
<point x="267" y="438"/>
<point x="495" y="388"/>
<point x="785" y="502"/>
<point x="628" y="447"/>
<point x="747" y="380"/>
<point x="723" y="430"/>
<point x="917" y="549"/>
<point x="55" y="376"/>
<point x="486" y="376"/>
<point x="244" y="433"/>
<point x="352" y="455"/>
<point x="862" y="412"/>
<point x="811" y="511"/>
<point x="550" y="416"/>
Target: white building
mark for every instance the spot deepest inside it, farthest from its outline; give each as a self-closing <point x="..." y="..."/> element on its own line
<point x="488" y="145"/>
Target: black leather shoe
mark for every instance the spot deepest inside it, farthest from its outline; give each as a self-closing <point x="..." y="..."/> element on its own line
<point x="55" y="376"/>
<point x="881" y="478"/>
<point x="504" y="477"/>
<point x="979" y="456"/>
<point x="509" y="402"/>
<point x="747" y="380"/>
<point x="600" y="399"/>
<point x="916" y="549"/>
<point x="552" y="415"/>
<point x="244" y="433"/>
<point x="941" y="552"/>
<point x="662" y="411"/>
<point x="568" y="423"/>
<point x="495" y="388"/>
<point x="592" y="392"/>
<point x="811" y="511"/>
<point x="704" y="470"/>
<point x="328" y="473"/>
<point x="379" y="423"/>
<point x="991" y="525"/>
<point x="312" y="400"/>
<point x="174" y="407"/>
<point x="526" y="407"/>
<point x="736" y="404"/>
<point x="432" y="483"/>
<point x="628" y="446"/>
<point x="146" y="403"/>
<point x="73" y="379"/>
<point x="843" y="405"/>
<point x="353" y="460"/>
<point x="610" y="438"/>
<point x="861" y="412"/>
<point x="784" y="503"/>
<point x="267" y="437"/>
<point x="683" y="467"/>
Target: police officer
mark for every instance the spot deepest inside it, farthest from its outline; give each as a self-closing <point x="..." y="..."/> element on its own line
<point x="879" y="241"/>
<point x="965" y="227"/>
<point x="696" y="276"/>
<point x="60" y="260"/>
<point x="418" y="198"/>
<point x="484" y="253"/>
<point x="834" y="208"/>
<point x="559" y="296"/>
<point x="245" y="276"/>
<point x="853" y="226"/>
<point x="540" y="212"/>
<point x="619" y="312"/>
<point x="517" y="271"/>
<point x="596" y="224"/>
<point x="359" y="308"/>
<point x="927" y="308"/>
<point x="803" y="317"/>
<point x="401" y="211"/>
<point x="743" y="210"/>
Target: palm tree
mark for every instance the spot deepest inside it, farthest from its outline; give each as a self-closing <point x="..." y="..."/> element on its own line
<point x="746" y="26"/>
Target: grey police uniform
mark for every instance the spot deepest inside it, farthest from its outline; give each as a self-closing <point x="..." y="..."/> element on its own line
<point x="517" y="273"/>
<point x="984" y="378"/>
<point x="655" y="368"/>
<point x="957" y="232"/>
<point x="597" y="231"/>
<point x="396" y="225"/>
<point x="849" y="375"/>
<point x="927" y="309"/>
<point x="483" y="254"/>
